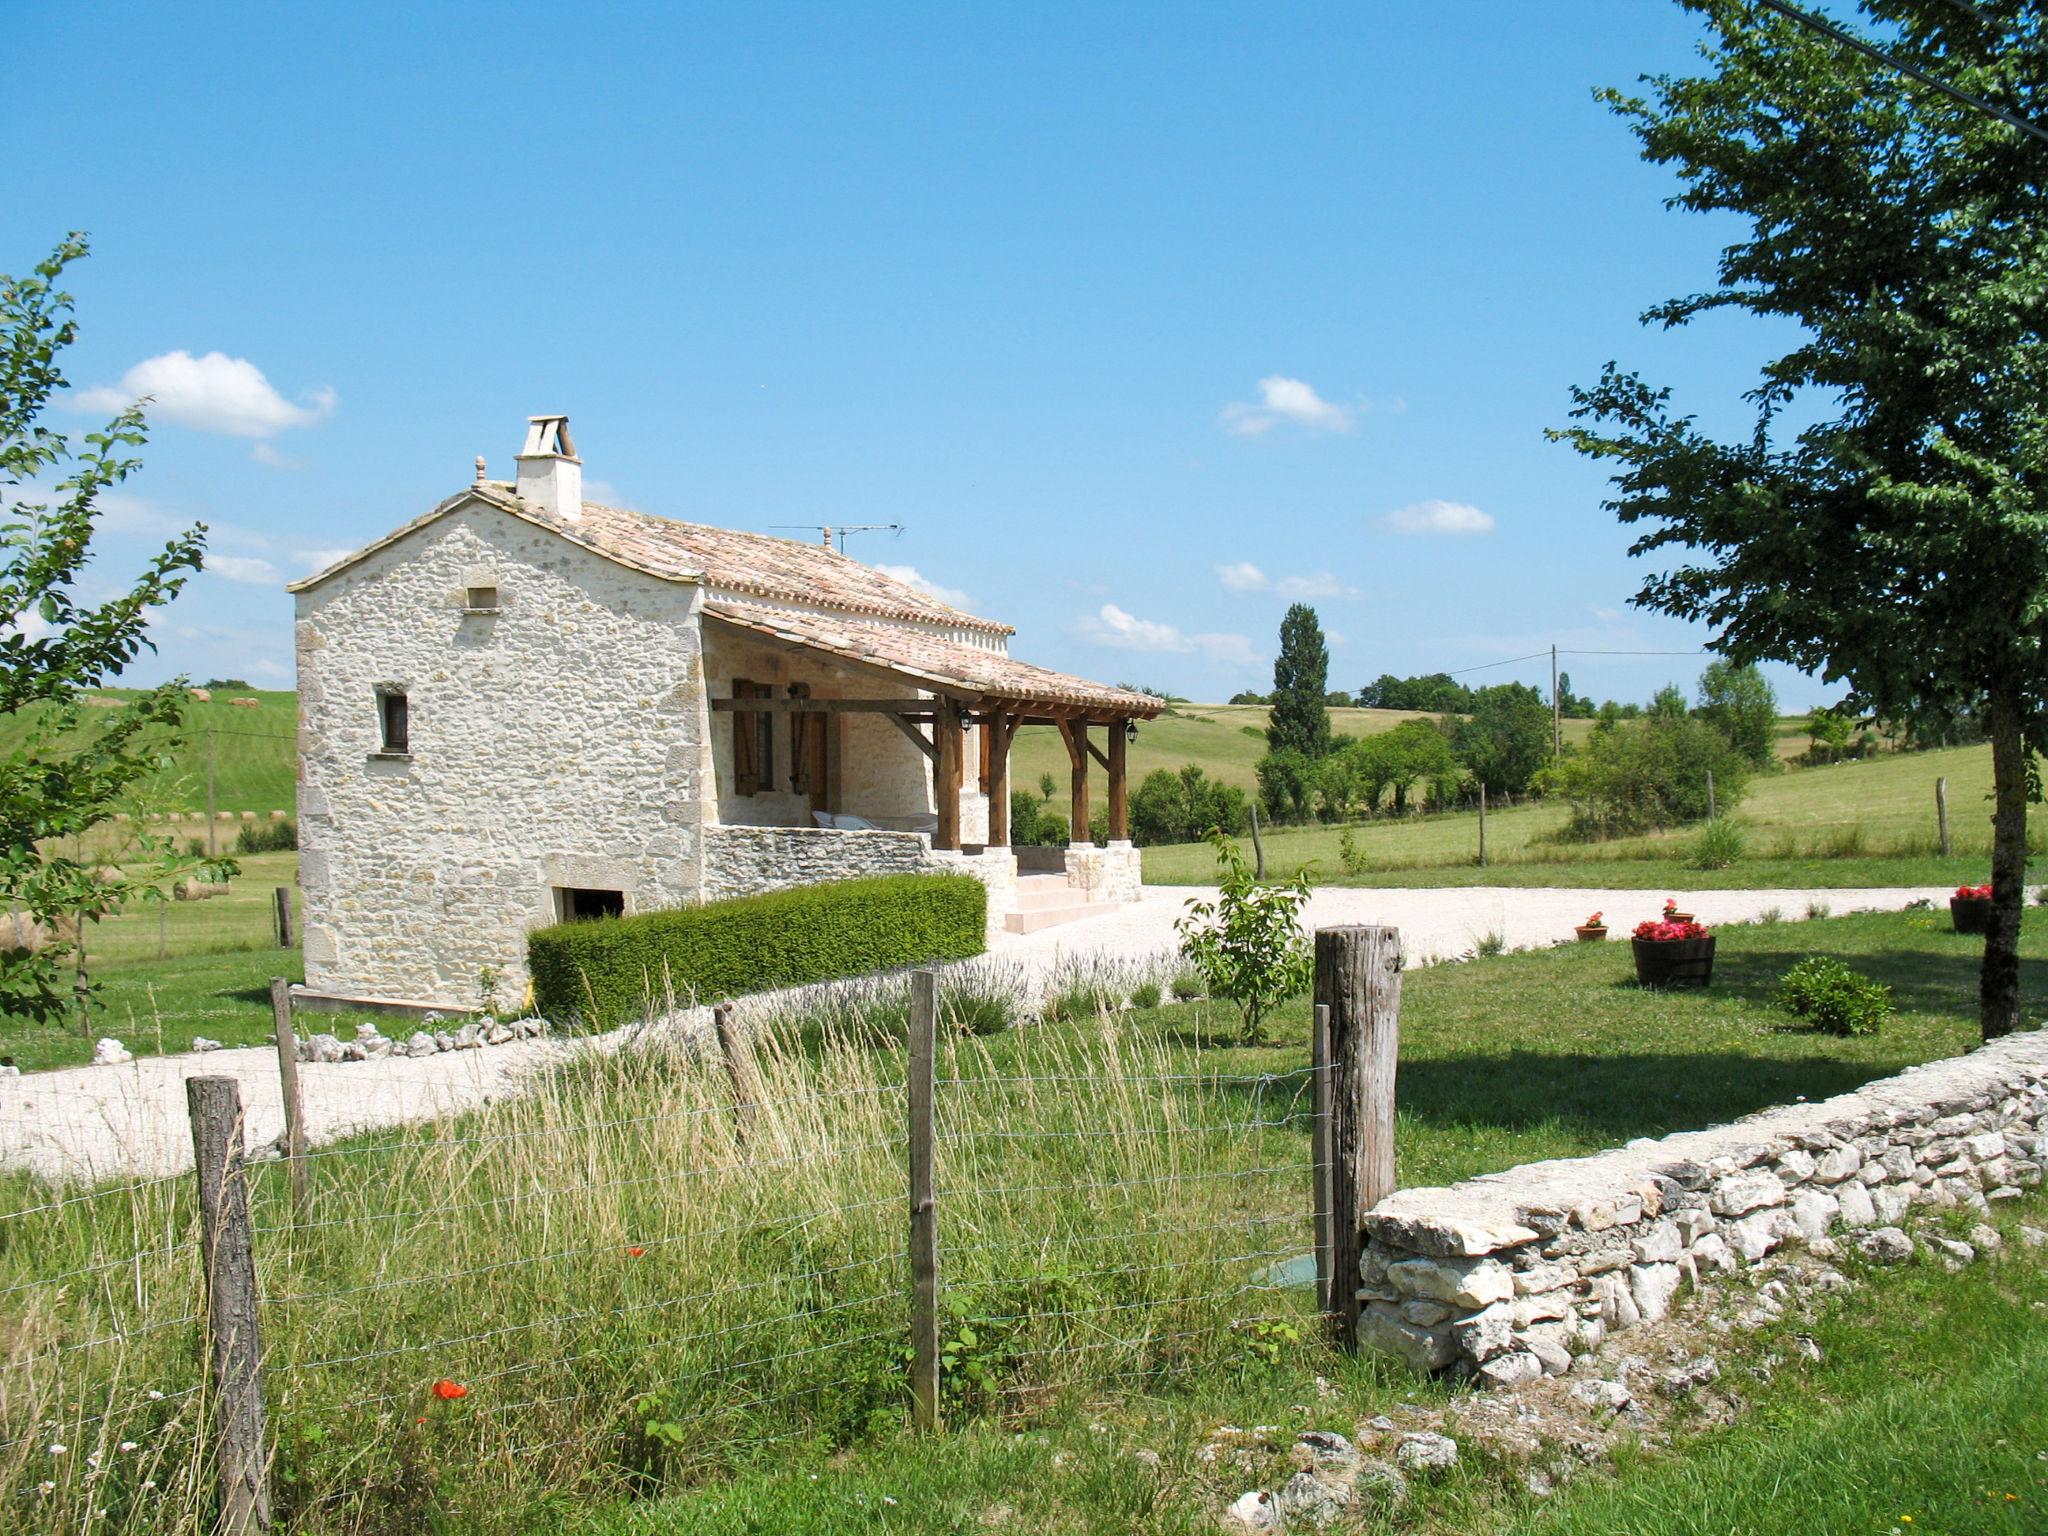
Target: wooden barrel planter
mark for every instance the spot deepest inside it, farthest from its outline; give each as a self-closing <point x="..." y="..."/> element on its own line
<point x="1970" y="914"/>
<point x="1674" y="962"/>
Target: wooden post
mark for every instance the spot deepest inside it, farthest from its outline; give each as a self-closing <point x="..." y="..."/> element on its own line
<point x="288" y="1080"/>
<point x="1941" y="815"/>
<point x="1482" y="824"/>
<point x="946" y="772"/>
<point x="212" y="821"/>
<point x="283" y="902"/>
<point x="924" y="1216"/>
<point x="1358" y="978"/>
<point x="1710" y="795"/>
<point x="1320" y="1159"/>
<point x="1258" y="846"/>
<point x="997" y="733"/>
<point x="162" y="911"/>
<point x="1076" y="734"/>
<point x="1556" y="712"/>
<point x="234" y="1348"/>
<point x="1119" y="800"/>
<point x="739" y="1069"/>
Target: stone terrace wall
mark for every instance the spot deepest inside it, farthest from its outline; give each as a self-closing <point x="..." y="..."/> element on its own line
<point x="1511" y="1275"/>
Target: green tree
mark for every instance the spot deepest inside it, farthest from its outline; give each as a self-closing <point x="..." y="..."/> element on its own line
<point x="1286" y="784"/>
<point x="1414" y="750"/>
<point x="1248" y="943"/>
<point x="1506" y="738"/>
<point x="1740" y="703"/>
<point x="1646" y="775"/>
<point x="1182" y="807"/>
<point x="1828" y="732"/>
<point x="67" y="773"/>
<point x="1882" y="521"/>
<point x="1300" y="720"/>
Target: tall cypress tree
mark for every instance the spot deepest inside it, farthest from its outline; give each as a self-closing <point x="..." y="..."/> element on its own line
<point x="1300" y="721"/>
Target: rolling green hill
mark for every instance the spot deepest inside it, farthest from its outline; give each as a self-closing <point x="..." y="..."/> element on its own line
<point x="255" y="759"/>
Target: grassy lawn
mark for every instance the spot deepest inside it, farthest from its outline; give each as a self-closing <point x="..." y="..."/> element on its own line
<point x="214" y="979"/>
<point x="615" y="1251"/>
<point x="1860" y="823"/>
<point x="255" y="751"/>
<point x="1928" y="1412"/>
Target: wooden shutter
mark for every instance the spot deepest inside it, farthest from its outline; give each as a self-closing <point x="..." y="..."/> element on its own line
<point x="746" y="741"/>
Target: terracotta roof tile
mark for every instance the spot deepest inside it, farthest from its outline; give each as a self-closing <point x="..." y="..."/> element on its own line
<point x="933" y="660"/>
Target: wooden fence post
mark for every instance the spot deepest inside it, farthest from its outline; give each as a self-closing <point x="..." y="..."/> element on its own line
<point x="739" y="1067"/>
<point x="234" y="1347"/>
<point x="1258" y="847"/>
<point x="1358" y="978"/>
<point x="1941" y="815"/>
<point x="1320" y="1159"/>
<point x="1482" y="826"/>
<point x="288" y="1080"/>
<point x="284" y="916"/>
<point x="924" y="1216"/>
<point x="1710" y="795"/>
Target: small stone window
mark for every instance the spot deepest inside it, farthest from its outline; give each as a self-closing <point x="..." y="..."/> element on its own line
<point x="575" y="903"/>
<point x="394" y="723"/>
<point x="480" y="600"/>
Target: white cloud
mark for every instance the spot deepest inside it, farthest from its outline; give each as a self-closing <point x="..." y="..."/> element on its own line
<point x="263" y="453"/>
<point x="1439" y="517"/>
<point x="604" y="494"/>
<point x="30" y="625"/>
<point x="319" y="559"/>
<point x="1284" y="400"/>
<point x="910" y="576"/>
<point x="1243" y="576"/>
<point x="213" y="393"/>
<point x="260" y="573"/>
<point x="1114" y="627"/>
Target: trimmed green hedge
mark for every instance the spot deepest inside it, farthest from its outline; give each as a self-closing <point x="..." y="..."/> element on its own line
<point x="605" y="971"/>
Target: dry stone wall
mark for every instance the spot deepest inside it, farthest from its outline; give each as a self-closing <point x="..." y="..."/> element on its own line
<point x="1511" y="1276"/>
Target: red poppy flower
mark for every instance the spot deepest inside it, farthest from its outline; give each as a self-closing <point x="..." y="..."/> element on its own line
<point x="635" y="1252"/>
<point x="448" y="1391"/>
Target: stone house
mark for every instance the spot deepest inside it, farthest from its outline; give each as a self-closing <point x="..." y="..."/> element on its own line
<point x="523" y="707"/>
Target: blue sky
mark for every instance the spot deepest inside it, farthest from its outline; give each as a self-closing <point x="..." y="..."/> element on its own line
<point x="1142" y="320"/>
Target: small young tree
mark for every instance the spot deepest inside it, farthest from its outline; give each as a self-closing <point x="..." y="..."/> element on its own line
<point x="66" y="773"/>
<point x="1248" y="943"/>
<point x="1300" y="720"/>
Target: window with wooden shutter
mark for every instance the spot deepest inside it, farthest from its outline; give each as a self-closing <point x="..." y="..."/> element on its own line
<point x="753" y="741"/>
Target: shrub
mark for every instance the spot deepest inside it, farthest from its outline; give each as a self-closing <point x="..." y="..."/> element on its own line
<point x="267" y="837"/>
<point x="1145" y="994"/>
<point x="1248" y="943"/>
<point x="1646" y="775"/>
<point x="1350" y="855"/>
<point x="1183" y="807"/>
<point x="1188" y="987"/>
<point x="1716" y="845"/>
<point x="608" y="971"/>
<point x="1832" y="997"/>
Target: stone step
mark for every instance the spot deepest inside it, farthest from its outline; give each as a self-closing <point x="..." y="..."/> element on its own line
<point x="1061" y="895"/>
<point x="1042" y="883"/>
<point x="1031" y="920"/>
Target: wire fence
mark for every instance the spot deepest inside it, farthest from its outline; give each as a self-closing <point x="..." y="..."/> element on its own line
<point x="653" y="1267"/>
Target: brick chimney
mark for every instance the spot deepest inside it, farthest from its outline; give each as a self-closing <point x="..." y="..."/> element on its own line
<point x="550" y="474"/>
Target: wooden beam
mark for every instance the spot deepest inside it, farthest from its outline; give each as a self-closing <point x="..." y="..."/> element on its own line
<point x="1093" y="750"/>
<point x="1119" y="798"/>
<point x="946" y="775"/>
<point x="996" y="731"/>
<point x="917" y="737"/>
<point x="1078" y="753"/>
<point x="984" y="739"/>
<point x="823" y="706"/>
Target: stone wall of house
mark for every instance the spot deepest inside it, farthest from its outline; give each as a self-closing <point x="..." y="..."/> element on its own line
<point x="1112" y="873"/>
<point x="1512" y="1275"/>
<point x="739" y="861"/>
<point x="553" y="743"/>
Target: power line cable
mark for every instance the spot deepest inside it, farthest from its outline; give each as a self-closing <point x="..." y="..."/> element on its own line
<point x="1826" y="28"/>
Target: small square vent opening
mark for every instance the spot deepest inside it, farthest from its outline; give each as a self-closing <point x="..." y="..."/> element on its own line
<point x="575" y="903"/>
<point x="481" y="599"/>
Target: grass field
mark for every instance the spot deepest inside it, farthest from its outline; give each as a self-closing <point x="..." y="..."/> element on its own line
<point x="604" y="1262"/>
<point x="1858" y="823"/>
<point x="255" y="753"/>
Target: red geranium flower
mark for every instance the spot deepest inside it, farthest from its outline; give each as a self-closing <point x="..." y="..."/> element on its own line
<point x="1593" y="921"/>
<point x="1669" y="932"/>
<point x="1973" y="893"/>
<point x="448" y="1391"/>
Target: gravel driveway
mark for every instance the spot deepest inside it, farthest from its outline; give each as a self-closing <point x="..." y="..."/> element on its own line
<point x="129" y="1120"/>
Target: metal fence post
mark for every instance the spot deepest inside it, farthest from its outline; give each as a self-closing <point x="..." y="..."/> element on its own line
<point x="924" y="1216"/>
<point x="234" y="1346"/>
<point x="739" y="1069"/>
<point x="294" y="1097"/>
<point x="1358" y="978"/>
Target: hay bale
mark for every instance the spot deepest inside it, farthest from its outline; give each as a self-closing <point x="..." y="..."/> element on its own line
<point x="203" y="695"/>
<point x="279" y="815"/>
<point x="245" y="703"/>
<point x="21" y="934"/>
<point x="248" y="815"/>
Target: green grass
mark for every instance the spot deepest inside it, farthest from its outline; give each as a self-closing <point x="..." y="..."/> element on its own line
<point x="764" y="1319"/>
<point x="255" y="751"/>
<point x="1860" y="823"/>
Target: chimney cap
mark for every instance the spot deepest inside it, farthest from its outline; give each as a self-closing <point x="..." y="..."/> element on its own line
<point x="547" y="437"/>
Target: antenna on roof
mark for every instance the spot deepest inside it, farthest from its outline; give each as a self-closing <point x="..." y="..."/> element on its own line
<point x="827" y="532"/>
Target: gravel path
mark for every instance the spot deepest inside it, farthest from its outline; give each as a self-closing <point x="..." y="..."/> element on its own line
<point x="125" y="1121"/>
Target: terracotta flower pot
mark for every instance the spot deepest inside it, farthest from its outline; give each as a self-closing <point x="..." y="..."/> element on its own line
<point x="1678" y="917"/>
<point x="1971" y="915"/>
<point x="1591" y="935"/>
<point x="1674" y="962"/>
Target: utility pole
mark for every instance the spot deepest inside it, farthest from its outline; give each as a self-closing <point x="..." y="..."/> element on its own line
<point x="1556" y="711"/>
<point x="212" y="824"/>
